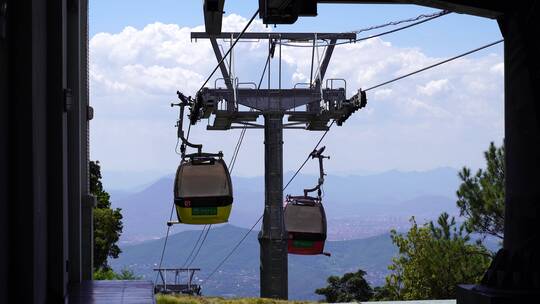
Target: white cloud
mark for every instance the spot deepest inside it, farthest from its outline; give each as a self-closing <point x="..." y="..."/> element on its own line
<point x="433" y="87"/>
<point x="498" y="68"/>
<point x="442" y="117"/>
<point x="299" y="77"/>
<point x="383" y="93"/>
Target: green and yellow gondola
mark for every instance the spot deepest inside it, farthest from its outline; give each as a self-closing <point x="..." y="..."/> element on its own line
<point x="203" y="191"/>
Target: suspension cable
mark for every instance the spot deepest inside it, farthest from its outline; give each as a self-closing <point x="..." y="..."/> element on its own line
<point x="200" y="246"/>
<point x="164" y="244"/>
<point x="440" y="14"/>
<point x="393" y="23"/>
<point x="244" y="129"/>
<point x="435" y="64"/>
<point x="194" y="247"/>
<point x="237" y="150"/>
<point x="232" y="251"/>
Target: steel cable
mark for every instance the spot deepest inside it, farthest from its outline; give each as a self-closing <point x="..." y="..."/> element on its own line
<point x="435" y="64"/>
<point x="232" y="162"/>
<point x="393" y="23"/>
<point x="164" y="244"/>
<point x="442" y="13"/>
<point x="202" y="242"/>
<point x="194" y="247"/>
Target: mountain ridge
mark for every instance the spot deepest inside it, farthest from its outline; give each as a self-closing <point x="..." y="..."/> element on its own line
<point x="390" y="197"/>
<point x="239" y="276"/>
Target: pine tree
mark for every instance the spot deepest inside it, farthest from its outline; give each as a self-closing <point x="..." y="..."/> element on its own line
<point x="481" y="197"/>
<point x="107" y="221"/>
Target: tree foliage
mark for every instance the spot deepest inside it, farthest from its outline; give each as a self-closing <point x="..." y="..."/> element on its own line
<point x="348" y="288"/>
<point x="433" y="259"/>
<point x="481" y="196"/>
<point x="109" y="274"/>
<point x="107" y="221"/>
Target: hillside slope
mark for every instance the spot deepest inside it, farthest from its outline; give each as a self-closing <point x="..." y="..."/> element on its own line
<point x="239" y="276"/>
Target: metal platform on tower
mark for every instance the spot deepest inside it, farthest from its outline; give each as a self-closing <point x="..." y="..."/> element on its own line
<point x="308" y="106"/>
<point x="172" y="283"/>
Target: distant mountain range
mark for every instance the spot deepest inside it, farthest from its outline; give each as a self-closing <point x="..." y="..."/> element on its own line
<point x="239" y="276"/>
<point x="356" y="206"/>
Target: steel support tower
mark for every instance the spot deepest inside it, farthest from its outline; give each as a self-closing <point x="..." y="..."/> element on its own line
<point x="309" y="106"/>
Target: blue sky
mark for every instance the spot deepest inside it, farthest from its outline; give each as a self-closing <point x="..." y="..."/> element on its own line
<point x="141" y="54"/>
<point x="438" y="38"/>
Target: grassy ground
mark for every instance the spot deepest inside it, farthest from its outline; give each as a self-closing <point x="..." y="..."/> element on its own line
<point x="180" y="299"/>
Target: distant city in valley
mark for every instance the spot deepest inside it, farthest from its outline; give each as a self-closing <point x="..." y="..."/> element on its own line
<point x="357" y="206"/>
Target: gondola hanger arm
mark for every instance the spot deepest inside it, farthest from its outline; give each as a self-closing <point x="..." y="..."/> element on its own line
<point x="318" y="154"/>
<point x="184" y="101"/>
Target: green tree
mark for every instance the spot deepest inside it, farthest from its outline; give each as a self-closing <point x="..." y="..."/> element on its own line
<point x="107" y="221"/>
<point x="350" y="287"/>
<point x="433" y="259"/>
<point x="109" y="274"/>
<point x="381" y="293"/>
<point x="481" y="196"/>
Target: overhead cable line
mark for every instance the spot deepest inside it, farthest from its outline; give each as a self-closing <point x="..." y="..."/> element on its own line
<point x="260" y="218"/>
<point x="232" y="162"/>
<point x="232" y="251"/>
<point x="194" y="247"/>
<point x="164" y="244"/>
<point x="393" y="23"/>
<point x="244" y="129"/>
<point x="202" y="242"/>
<point x="435" y="64"/>
<point x="442" y="13"/>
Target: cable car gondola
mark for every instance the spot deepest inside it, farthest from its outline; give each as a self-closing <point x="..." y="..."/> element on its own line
<point x="305" y="219"/>
<point x="202" y="188"/>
